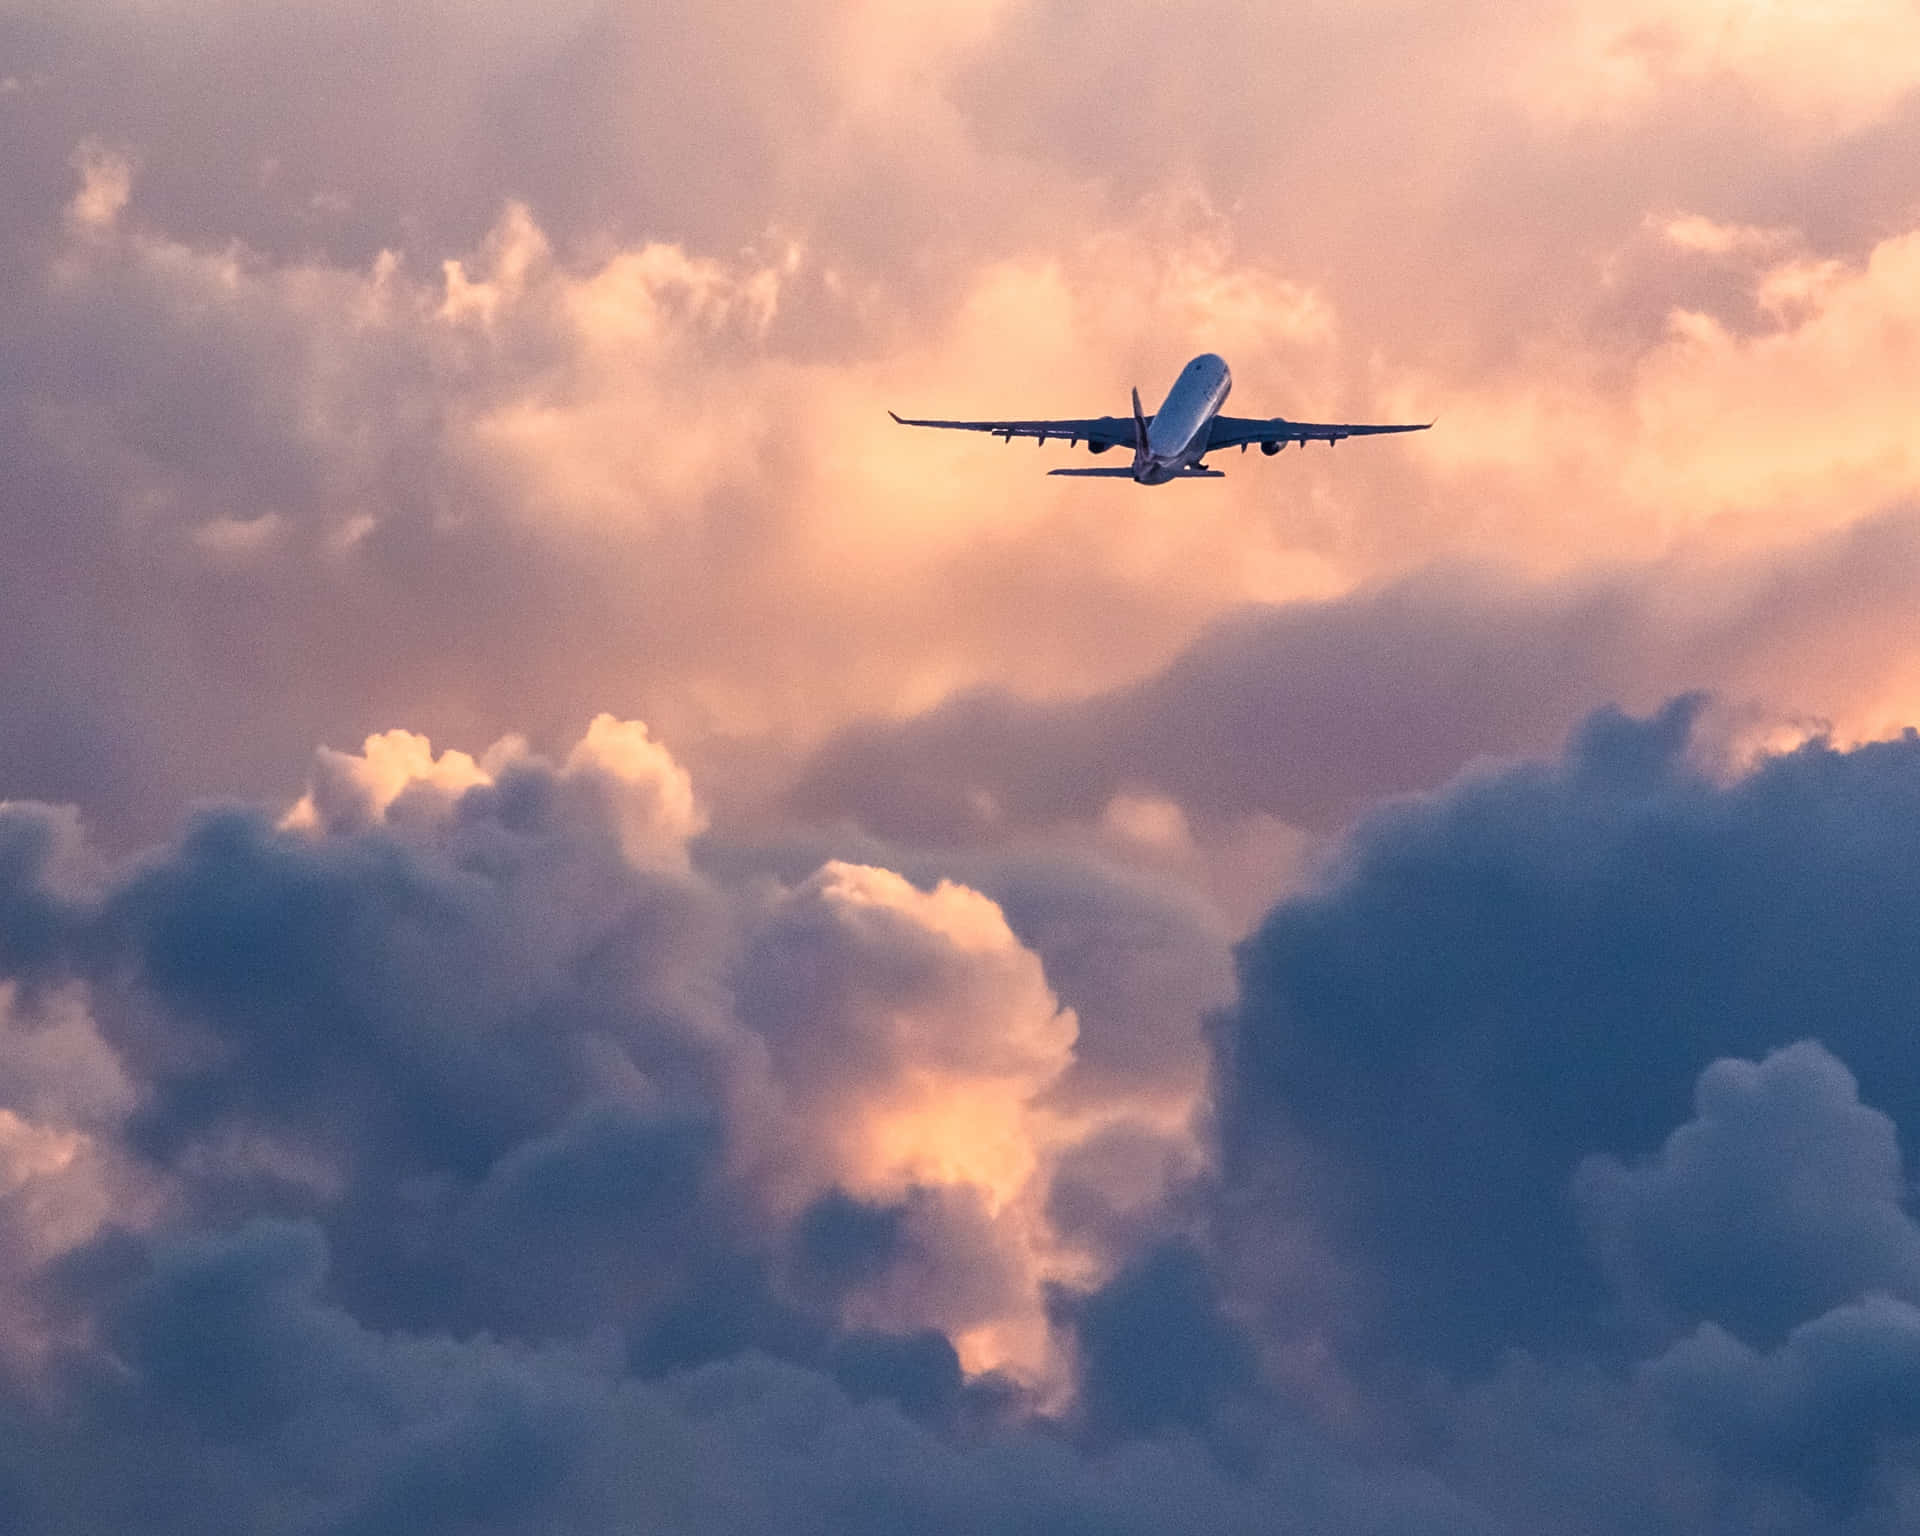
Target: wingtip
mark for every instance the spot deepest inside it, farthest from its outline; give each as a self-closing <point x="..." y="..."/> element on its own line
<point x="897" y="417"/>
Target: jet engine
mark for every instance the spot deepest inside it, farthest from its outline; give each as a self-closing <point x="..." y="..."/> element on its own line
<point x="1098" y="447"/>
<point x="1270" y="449"/>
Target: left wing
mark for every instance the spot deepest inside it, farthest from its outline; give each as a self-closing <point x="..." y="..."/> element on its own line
<point x="1240" y="431"/>
<point x="1095" y="431"/>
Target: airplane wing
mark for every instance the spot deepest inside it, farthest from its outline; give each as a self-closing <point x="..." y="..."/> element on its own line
<point x="1104" y="431"/>
<point x="1240" y="431"/>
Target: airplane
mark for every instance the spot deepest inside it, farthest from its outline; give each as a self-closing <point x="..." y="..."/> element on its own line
<point x="1172" y="444"/>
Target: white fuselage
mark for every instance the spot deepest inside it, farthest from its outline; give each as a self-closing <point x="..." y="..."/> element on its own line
<point x="1177" y="437"/>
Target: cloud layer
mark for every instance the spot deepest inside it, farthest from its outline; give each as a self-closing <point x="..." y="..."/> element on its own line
<point x="432" y="1155"/>
<point x="481" y="410"/>
<point x="1372" y="995"/>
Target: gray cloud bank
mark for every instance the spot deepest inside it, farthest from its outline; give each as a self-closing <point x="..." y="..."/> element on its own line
<point x="449" y="1170"/>
<point x="1311" y="712"/>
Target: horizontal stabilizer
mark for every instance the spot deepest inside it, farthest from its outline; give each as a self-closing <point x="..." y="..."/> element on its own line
<point x="1115" y="472"/>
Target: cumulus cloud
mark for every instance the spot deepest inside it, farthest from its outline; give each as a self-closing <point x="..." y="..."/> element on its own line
<point x="1782" y="1198"/>
<point x="1815" y="1415"/>
<point x="435" y="1131"/>
<point x="1452" y="1208"/>
<point x="64" y="1105"/>
<point x="396" y="780"/>
<point x="1156" y="1349"/>
<point x="1531" y="967"/>
<point x="350" y="791"/>
<point x="272" y="1399"/>
<point x="463" y="1009"/>
<point x="474" y="1157"/>
<point x="872" y="989"/>
<point x="915" y="1036"/>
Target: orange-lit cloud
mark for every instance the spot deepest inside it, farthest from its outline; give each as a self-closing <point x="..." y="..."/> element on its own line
<point x="63" y="1175"/>
<point x="897" y="1044"/>
<point x="676" y="442"/>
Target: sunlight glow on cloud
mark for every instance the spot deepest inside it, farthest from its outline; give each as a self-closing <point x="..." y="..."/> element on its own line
<point x="351" y="791"/>
<point x="106" y="182"/>
<point x="1838" y="65"/>
<point x="1750" y="438"/>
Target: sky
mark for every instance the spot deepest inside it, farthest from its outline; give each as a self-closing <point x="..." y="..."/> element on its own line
<point x="594" y="937"/>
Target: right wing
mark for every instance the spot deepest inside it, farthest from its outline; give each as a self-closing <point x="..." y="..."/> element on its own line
<point x="1101" y="431"/>
<point x="1244" y="431"/>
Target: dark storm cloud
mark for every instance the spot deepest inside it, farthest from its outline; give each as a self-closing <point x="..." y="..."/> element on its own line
<point x="1532" y="967"/>
<point x="449" y="1002"/>
<point x="1837" y="1400"/>
<point x="462" y="1055"/>
<point x="459" y="1026"/>
<point x="439" y="1149"/>
<point x="1156" y="1350"/>
<point x="454" y="1153"/>
<point x="242" y="1399"/>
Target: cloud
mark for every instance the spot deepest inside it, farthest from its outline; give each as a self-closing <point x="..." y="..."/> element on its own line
<point x="1781" y="1199"/>
<point x="1259" y="716"/>
<point x="404" y="459"/>
<point x="642" y="792"/>
<point x="444" y="1158"/>
<point x="1814" y="1414"/>
<point x="352" y="792"/>
<point x="461" y="1009"/>
<point x="497" y="1121"/>
<point x="1530" y="967"/>
<point x="1619" y="58"/>
<point x="106" y="181"/>
<point x="274" y="1409"/>
<point x="915" y="1037"/>
<point x="64" y="1175"/>
<point x="41" y="853"/>
<point x="1156" y="1351"/>
<point x="861" y="975"/>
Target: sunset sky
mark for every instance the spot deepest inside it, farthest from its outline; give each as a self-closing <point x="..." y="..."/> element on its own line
<point x="593" y="937"/>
